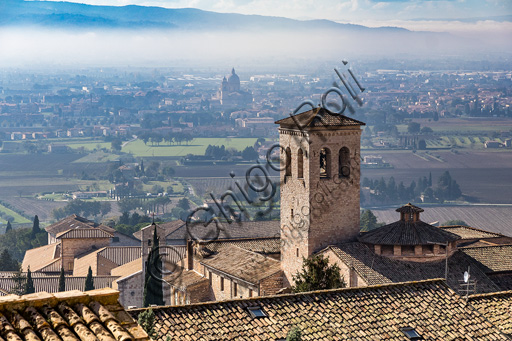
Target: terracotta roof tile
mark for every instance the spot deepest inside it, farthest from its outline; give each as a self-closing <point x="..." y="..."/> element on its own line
<point x="494" y="258"/>
<point x="235" y="230"/>
<point x="67" y="316"/>
<point x="168" y="227"/>
<point x="51" y="283"/>
<point x="40" y="257"/>
<point x="409" y="208"/>
<point x="375" y="269"/>
<point x="259" y="245"/>
<point x="79" y="233"/>
<point x="182" y="279"/>
<point x="243" y="264"/>
<point x="466" y="232"/>
<point x="370" y="313"/>
<point x="496" y="307"/>
<point x="318" y="117"/>
<point x="407" y="233"/>
<point x="74" y="221"/>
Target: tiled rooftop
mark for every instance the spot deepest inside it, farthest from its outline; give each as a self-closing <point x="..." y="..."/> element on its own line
<point x="495" y="307"/>
<point x="370" y="313"/>
<point x="74" y="221"/>
<point x="41" y="257"/>
<point x="70" y="316"/>
<point x="407" y="233"/>
<point x="51" y="283"/>
<point x="168" y="227"/>
<point x="375" y="269"/>
<point x="466" y="232"/>
<point x="494" y="258"/>
<point x="79" y="233"/>
<point x="318" y="117"/>
<point x="259" y="245"/>
<point x="235" y="230"/>
<point x="243" y="264"/>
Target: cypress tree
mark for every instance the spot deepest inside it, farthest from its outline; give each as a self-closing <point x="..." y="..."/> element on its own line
<point x="153" y="292"/>
<point x="62" y="280"/>
<point x="8" y="227"/>
<point x="89" y="283"/>
<point x="29" y="286"/>
<point x="35" y="227"/>
<point x="7" y="263"/>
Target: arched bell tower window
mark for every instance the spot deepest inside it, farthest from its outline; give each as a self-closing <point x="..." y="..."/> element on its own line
<point x="300" y="163"/>
<point x="288" y="162"/>
<point x="325" y="163"/>
<point x="344" y="163"/>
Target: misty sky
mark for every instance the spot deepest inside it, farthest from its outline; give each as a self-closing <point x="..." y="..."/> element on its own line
<point x="358" y="11"/>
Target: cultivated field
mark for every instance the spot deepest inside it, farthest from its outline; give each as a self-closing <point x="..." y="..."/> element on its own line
<point x="196" y="146"/>
<point x="480" y="174"/>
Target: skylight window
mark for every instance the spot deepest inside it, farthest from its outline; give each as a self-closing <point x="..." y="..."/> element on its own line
<point x="256" y="312"/>
<point x="411" y="333"/>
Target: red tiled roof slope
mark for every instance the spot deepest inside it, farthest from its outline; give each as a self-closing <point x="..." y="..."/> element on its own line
<point x="370" y="313"/>
<point x="69" y="316"/>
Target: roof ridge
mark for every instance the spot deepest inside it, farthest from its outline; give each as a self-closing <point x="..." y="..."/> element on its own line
<point x="490" y="294"/>
<point x="485" y="246"/>
<point x="440" y="281"/>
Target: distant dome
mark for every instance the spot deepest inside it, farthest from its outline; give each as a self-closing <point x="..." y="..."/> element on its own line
<point x="233" y="80"/>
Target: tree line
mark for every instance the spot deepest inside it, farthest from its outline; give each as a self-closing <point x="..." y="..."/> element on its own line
<point x="382" y="191"/>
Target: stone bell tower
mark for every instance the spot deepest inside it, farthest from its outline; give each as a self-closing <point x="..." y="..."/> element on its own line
<point x="319" y="184"/>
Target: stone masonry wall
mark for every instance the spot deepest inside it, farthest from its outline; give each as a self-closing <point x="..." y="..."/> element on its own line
<point x="317" y="212"/>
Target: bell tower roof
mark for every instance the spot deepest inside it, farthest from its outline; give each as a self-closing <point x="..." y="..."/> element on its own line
<point x="318" y="117"/>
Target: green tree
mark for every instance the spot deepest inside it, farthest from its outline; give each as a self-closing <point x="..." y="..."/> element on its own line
<point x="29" y="285"/>
<point x="455" y="222"/>
<point x="153" y="293"/>
<point x="62" y="280"/>
<point x="7" y="263"/>
<point x="183" y="204"/>
<point x="249" y="154"/>
<point x="317" y="274"/>
<point x="8" y="227"/>
<point x="368" y="221"/>
<point x="146" y="320"/>
<point x="116" y="145"/>
<point x="294" y="334"/>
<point x="35" y="227"/>
<point x="413" y="128"/>
<point x="89" y="282"/>
<point x="20" y="281"/>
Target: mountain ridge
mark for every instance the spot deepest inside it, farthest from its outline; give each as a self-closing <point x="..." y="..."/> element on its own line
<point x="64" y="14"/>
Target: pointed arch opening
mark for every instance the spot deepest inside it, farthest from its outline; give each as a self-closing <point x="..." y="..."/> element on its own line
<point x="344" y="163"/>
<point x="300" y="163"/>
<point x="325" y="163"/>
<point x="288" y="171"/>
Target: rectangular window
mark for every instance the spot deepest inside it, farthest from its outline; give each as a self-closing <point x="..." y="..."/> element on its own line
<point x="250" y="292"/>
<point x="297" y="252"/>
<point x="235" y="289"/>
<point x="221" y="283"/>
<point x="210" y="277"/>
<point x="70" y="266"/>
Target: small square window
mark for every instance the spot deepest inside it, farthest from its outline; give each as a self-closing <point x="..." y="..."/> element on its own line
<point x="256" y="312"/>
<point x="411" y="333"/>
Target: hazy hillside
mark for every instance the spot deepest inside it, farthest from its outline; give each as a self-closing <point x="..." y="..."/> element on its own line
<point x="65" y="14"/>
